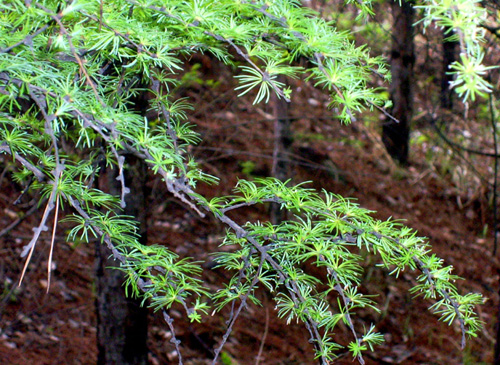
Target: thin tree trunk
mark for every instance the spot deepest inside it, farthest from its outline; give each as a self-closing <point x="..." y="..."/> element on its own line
<point x="121" y="321"/>
<point x="281" y="152"/>
<point x="449" y="56"/>
<point x="396" y="135"/>
<point x="496" y="358"/>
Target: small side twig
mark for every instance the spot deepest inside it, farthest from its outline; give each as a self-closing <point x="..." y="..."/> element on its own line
<point x="318" y="57"/>
<point x="242" y="305"/>
<point x="263" y="340"/>
<point x="28" y="40"/>
<point x="54" y="228"/>
<point x="30" y="247"/>
<point x="173" y="340"/>
<point x="18" y="221"/>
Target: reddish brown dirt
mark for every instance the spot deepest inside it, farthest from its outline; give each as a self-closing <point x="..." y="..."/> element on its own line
<point x="59" y="327"/>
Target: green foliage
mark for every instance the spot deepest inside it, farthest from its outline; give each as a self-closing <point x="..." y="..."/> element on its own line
<point x="247" y="167"/>
<point x="70" y="73"/>
<point x="462" y="20"/>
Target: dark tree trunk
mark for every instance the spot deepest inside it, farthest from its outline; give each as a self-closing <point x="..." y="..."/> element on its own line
<point x="449" y="56"/>
<point x="496" y="359"/>
<point x="281" y="152"/>
<point x="396" y="135"/>
<point x="121" y="321"/>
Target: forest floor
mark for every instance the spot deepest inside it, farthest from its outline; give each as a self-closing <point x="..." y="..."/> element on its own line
<point x="59" y="327"/>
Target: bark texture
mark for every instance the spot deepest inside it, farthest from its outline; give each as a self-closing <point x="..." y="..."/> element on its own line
<point x="282" y="145"/>
<point x="121" y="322"/>
<point x="449" y="56"/>
<point x="396" y="135"/>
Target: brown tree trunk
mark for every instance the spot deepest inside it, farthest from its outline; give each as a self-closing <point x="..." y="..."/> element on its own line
<point x="496" y="356"/>
<point x="449" y="56"/>
<point x="396" y="135"/>
<point x="121" y="321"/>
<point x="281" y="152"/>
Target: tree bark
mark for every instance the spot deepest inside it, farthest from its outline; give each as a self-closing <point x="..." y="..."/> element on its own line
<point x="281" y="152"/>
<point x="449" y="56"/>
<point x="121" y="321"/>
<point x="396" y="135"/>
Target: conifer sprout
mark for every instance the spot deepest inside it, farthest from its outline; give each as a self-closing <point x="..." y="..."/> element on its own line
<point x="69" y="72"/>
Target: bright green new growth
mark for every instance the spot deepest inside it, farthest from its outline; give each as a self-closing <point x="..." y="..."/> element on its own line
<point x="462" y="21"/>
<point x="69" y="73"/>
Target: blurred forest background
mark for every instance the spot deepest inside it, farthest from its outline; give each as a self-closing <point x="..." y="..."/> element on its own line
<point x="436" y="169"/>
